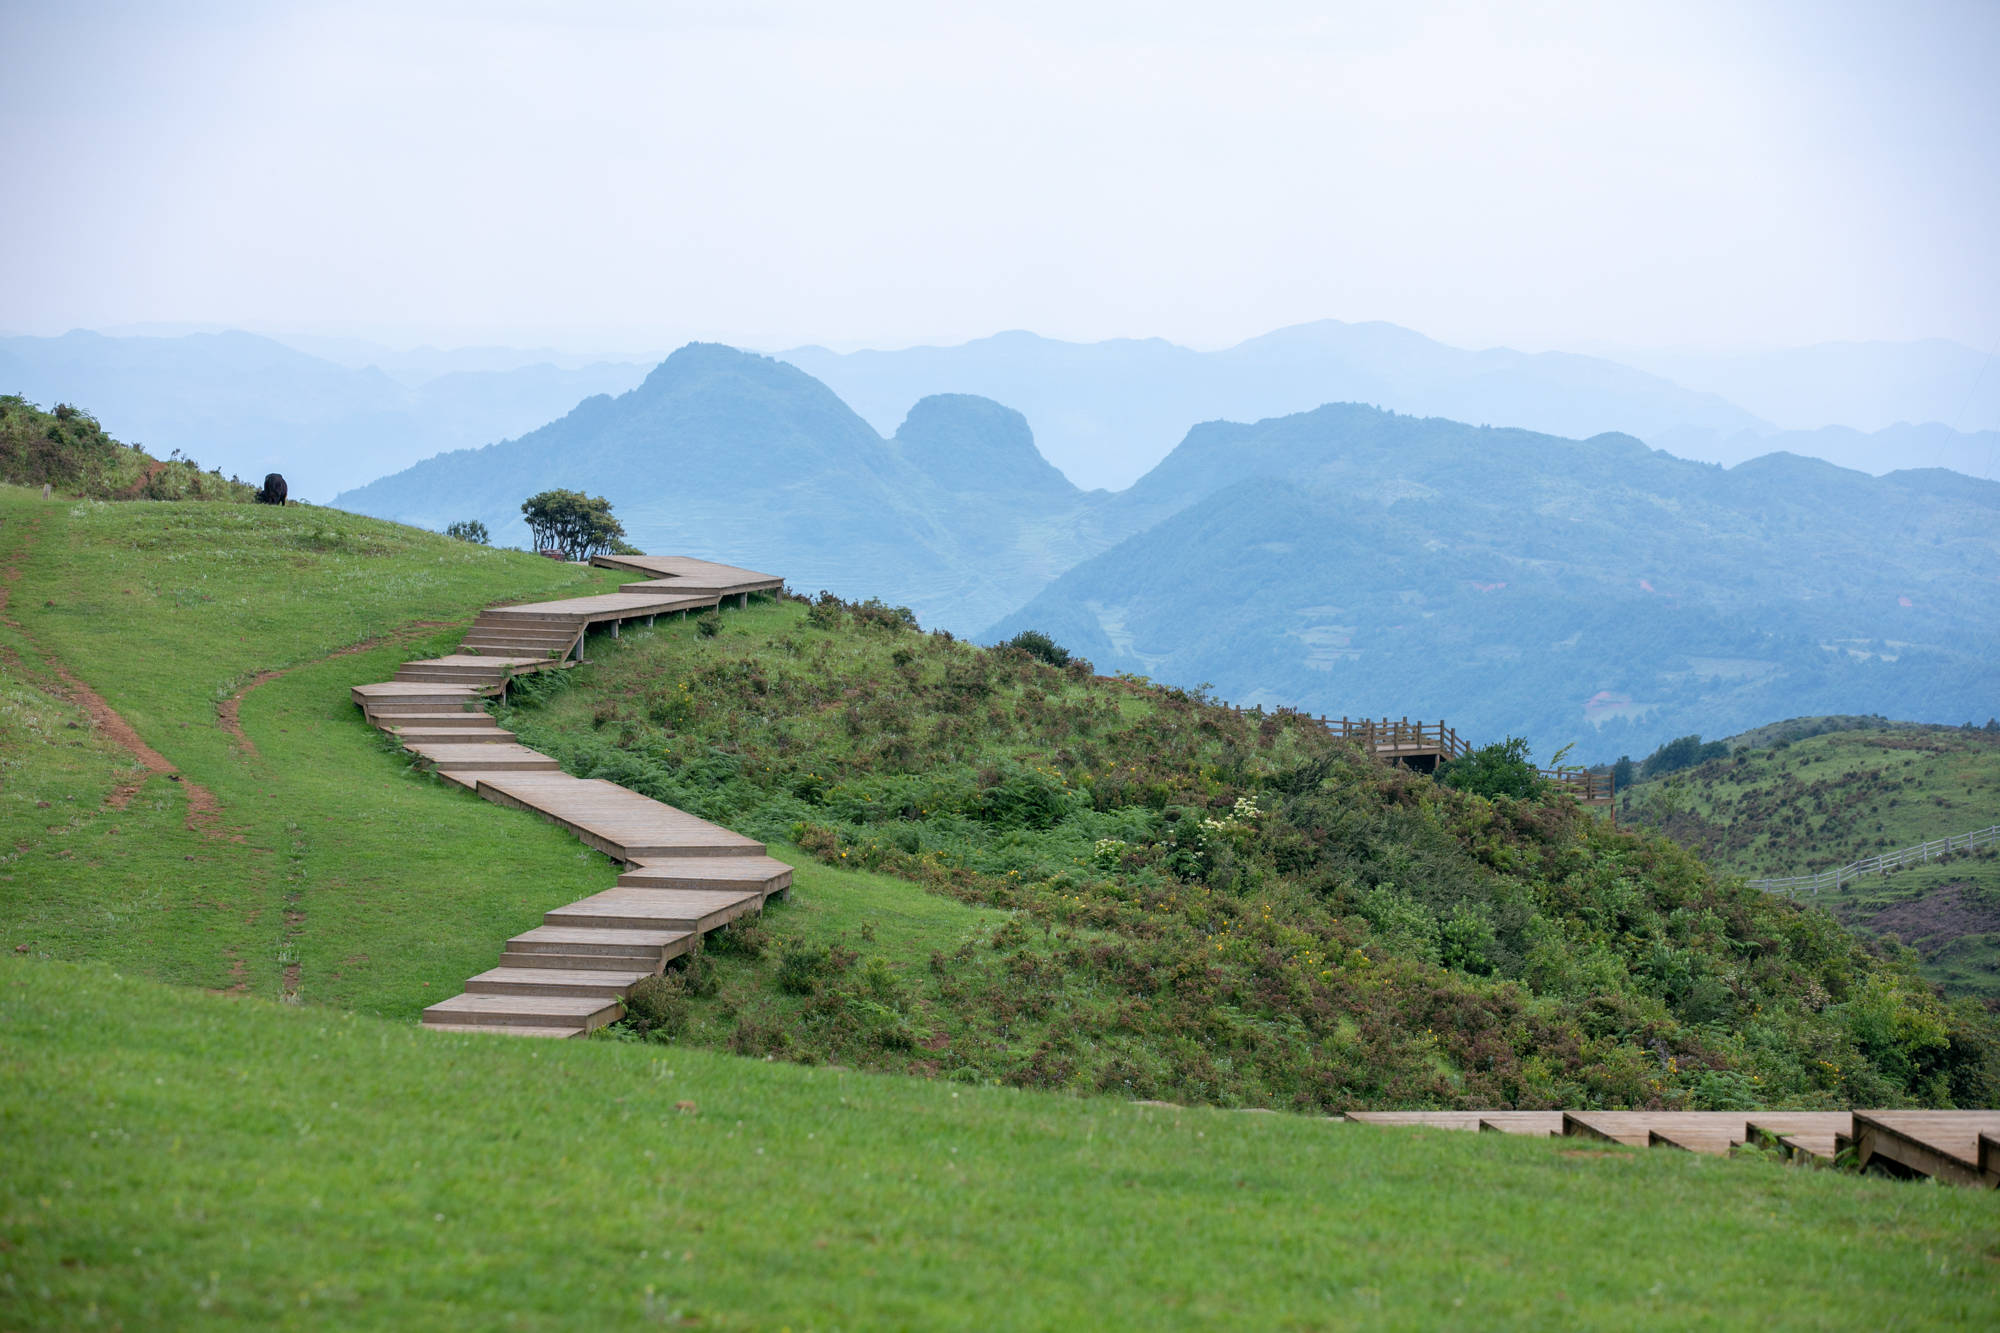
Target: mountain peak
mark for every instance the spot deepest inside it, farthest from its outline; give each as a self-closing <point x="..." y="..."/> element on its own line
<point x="965" y="442"/>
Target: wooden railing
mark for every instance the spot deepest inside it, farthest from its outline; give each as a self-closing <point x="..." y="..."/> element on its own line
<point x="1882" y="864"/>
<point x="1394" y="738"/>
<point x="1388" y="735"/>
<point x="1588" y="787"/>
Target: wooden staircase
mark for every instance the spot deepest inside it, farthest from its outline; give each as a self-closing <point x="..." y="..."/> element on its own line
<point x="1957" y="1147"/>
<point x="684" y="876"/>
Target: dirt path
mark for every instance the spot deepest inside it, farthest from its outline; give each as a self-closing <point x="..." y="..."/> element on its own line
<point x="204" y="811"/>
<point x="229" y="713"/>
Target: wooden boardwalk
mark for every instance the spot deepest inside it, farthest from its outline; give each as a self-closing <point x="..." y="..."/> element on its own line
<point x="684" y="877"/>
<point x="1960" y="1147"/>
<point x="689" y="577"/>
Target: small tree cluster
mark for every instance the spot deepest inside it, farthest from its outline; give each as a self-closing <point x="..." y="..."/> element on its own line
<point x="576" y="524"/>
<point x="469" y="530"/>
<point x="1039" y="645"/>
<point x="1500" y="769"/>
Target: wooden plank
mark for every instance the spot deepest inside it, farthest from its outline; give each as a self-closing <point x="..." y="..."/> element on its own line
<point x="620" y="823"/>
<point x="503" y="1029"/>
<point x="656" y="909"/>
<point x="565" y="939"/>
<point x="1507" y="1122"/>
<point x="1943" y="1145"/>
<point x="603" y="606"/>
<point x="483" y="758"/>
<point x="542" y="981"/>
<point x="765" y="875"/>
<point x="688" y="573"/>
<point x="587" y="1011"/>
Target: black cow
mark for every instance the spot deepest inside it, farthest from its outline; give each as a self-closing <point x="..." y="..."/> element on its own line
<point x="273" y="492"/>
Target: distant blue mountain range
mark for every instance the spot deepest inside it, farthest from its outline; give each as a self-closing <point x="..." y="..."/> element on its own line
<point x="1344" y="560"/>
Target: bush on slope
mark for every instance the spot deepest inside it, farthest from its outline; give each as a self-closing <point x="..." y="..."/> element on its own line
<point x="1226" y="908"/>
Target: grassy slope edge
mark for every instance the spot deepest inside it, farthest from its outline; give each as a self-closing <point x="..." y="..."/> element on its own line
<point x="186" y="1160"/>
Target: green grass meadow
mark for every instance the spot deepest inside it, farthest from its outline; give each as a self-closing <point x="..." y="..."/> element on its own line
<point x="217" y="1111"/>
<point x="181" y="1160"/>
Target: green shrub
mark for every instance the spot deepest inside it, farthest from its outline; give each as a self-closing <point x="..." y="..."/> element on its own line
<point x="1500" y="769"/>
<point x="1024" y="798"/>
<point x="743" y="939"/>
<point x="658" y="1005"/>
<point x="469" y="530"/>
<point x="1039" y="646"/>
<point x="801" y="968"/>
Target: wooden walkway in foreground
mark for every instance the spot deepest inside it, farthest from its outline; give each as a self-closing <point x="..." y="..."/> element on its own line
<point x="1958" y="1147"/>
<point x="684" y="876"/>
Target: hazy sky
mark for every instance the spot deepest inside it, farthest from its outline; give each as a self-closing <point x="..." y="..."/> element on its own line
<point x="627" y="176"/>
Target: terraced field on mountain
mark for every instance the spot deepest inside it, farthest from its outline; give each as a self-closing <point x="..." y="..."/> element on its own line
<point x="1791" y="807"/>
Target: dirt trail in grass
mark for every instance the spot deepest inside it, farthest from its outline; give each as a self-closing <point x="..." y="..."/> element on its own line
<point x="229" y="713"/>
<point x="204" y="811"/>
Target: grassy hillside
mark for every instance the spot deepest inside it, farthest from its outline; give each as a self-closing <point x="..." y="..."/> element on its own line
<point x="299" y="858"/>
<point x="170" y="1159"/>
<point x="1787" y="807"/>
<point x="1211" y="906"/>
<point x="67" y="449"/>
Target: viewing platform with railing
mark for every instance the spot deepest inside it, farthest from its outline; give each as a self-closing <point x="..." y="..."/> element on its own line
<point x="1427" y="746"/>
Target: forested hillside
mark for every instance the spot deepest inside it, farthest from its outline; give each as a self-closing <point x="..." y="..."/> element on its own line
<point x="1593" y="592"/>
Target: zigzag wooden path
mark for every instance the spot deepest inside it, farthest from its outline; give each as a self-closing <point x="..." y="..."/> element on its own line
<point x="685" y="876"/>
<point x="1960" y="1147"/>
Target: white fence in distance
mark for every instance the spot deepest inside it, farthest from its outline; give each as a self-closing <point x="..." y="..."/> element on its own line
<point x="1882" y="864"/>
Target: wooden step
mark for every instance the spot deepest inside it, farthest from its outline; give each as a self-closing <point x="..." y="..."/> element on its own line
<point x="1539" y="1123"/>
<point x="503" y="1029"/>
<point x="490" y="643"/>
<point x="524" y="633"/>
<point x="582" y="962"/>
<point x="468" y="719"/>
<point x="462" y="674"/>
<point x="1944" y="1145"/>
<point x="697" y="910"/>
<point x="412" y="696"/>
<point x="541" y="1011"/>
<point x="764" y="875"/>
<point x="638" y="946"/>
<point x="620" y="823"/>
<point x="550" y="981"/>
<point x="488" y="757"/>
<point x="449" y="735"/>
